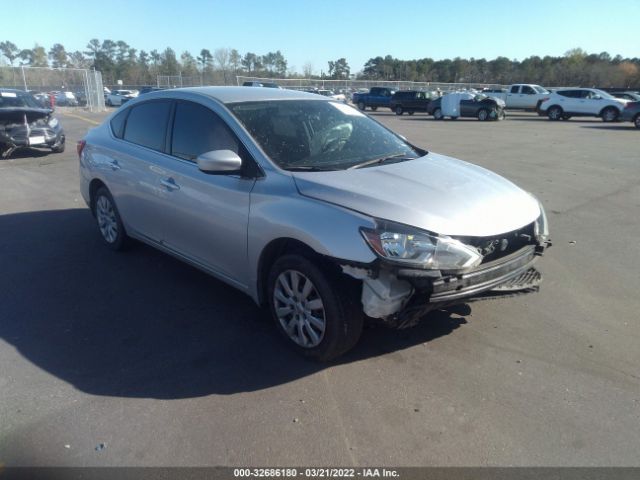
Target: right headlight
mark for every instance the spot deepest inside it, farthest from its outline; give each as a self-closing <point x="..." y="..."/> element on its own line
<point x="419" y="249"/>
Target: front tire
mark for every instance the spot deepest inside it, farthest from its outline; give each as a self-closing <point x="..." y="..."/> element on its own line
<point x="373" y="109"/>
<point x="636" y="121"/>
<point x="362" y="106"/>
<point x="109" y="221"/>
<point x="315" y="309"/>
<point x="483" y="114"/>
<point x="437" y="114"/>
<point x="399" y="110"/>
<point x="610" y="114"/>
<point x="555" y="113"/>
<point x="59" y="148"/>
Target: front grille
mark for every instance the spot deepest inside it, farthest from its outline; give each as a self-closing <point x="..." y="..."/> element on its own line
<point x="498" y="246"/>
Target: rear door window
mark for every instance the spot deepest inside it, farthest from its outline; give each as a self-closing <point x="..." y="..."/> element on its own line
<point x="147" y="124"/>
<point x="515" y="89"/>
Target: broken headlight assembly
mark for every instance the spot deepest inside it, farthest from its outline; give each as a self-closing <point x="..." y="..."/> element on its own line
<point x="420" y="249"/>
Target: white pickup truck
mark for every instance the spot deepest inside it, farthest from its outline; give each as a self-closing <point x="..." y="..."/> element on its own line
<point x="521" y="95"/>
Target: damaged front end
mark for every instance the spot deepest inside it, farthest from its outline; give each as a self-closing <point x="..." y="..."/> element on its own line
<point x="29" y="127"/>
<point x="418" y="272"/>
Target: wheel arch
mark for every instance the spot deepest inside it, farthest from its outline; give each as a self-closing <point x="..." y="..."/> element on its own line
<point x="275" y="249"/>
<point x="604" y="109"/>
<point x="94" y="186"/>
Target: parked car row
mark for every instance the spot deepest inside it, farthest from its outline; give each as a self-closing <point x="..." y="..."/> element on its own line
<point x="560" y="104"/>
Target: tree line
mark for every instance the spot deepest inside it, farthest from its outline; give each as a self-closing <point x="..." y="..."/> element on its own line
<point x="117" y="60"/>
<point x="575" y="68"/>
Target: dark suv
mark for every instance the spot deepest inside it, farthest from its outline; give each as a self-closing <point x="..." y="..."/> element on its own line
<point x="409" y="101"/>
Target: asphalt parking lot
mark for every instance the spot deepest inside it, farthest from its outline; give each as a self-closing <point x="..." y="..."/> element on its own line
<point x="138" y="359"/>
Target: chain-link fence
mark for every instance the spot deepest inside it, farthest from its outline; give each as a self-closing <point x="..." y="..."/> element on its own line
<point x="177" y="81"/>
<point x="73" y="87"/>
<point x="355" y="85"/>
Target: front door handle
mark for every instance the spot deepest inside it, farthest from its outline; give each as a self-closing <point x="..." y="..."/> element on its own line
<point x="115" y="165"/>
<point x="170" y="184"/>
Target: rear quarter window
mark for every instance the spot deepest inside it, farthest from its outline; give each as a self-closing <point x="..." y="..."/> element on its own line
<point x="146" y="124"/>
<point x="117" y="123"/>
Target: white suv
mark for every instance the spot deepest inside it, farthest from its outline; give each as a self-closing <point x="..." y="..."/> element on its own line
<point x="584" y="102"/>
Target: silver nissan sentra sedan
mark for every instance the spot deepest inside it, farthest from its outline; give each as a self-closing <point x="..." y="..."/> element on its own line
<point x="310" y="207"/>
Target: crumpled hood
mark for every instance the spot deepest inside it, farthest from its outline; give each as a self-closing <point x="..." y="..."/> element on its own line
<point x="13" y="115"/>
<point x="436" y="193"/>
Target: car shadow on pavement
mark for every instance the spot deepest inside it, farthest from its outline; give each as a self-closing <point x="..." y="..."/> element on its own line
<point x="28" y="153"/>
<point x="142" y="324"/>
<point x="628" y="127"/>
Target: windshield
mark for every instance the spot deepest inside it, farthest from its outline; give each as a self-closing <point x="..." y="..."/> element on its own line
<point x="18" y="99"/>
<point x="307" y="134"/>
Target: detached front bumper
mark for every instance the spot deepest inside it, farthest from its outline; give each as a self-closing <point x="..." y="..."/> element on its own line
<point x="485" y="277"/>
<point x="401" y="296"/>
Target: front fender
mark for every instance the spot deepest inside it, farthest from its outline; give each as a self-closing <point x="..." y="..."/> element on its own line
<point x="281" y="212"/>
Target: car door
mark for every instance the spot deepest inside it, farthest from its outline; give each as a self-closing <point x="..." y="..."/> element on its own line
<point x="527" y="97"/>
<point x="132" y="170"/>
<point x="584" y="103"/>
<point x="514" y="97"/>
<point x="206" y="215"/>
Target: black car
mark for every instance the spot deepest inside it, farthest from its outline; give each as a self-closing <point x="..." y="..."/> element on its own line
<point x="144" y="90"/>
<point x="25" y="123"/>
<point x="478" y="106"/>
<point x="409" y="101"/>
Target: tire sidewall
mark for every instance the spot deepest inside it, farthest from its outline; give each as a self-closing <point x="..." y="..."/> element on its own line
<point x="339" y="325"/>
<point x="555" y="109"/>
<point x="121" y="239"/>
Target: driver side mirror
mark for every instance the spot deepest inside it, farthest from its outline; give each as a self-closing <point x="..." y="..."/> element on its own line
<point x="219" y="161"/>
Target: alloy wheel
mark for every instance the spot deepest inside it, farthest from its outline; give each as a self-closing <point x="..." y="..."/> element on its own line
<point x="299" y="308"/>
<point x="106" y="216"/>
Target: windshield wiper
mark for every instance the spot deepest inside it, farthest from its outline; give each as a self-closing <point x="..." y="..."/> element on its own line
<point x="400" y="157"/>
<point x="308" y="168"/>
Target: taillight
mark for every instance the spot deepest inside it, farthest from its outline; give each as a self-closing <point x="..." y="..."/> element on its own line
<point x="80" y="146"/>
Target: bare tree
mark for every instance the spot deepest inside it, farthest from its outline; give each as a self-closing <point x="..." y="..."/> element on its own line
<point x="221" y="57"/>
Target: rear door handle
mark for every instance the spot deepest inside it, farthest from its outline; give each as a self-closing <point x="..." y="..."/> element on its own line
<point x="114" y="165"/>
<point x="169" y="184"/>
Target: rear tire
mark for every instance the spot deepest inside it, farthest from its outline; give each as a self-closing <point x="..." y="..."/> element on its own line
<point x="315" y="309"/>
<point x="437" y="114"/>
<point x="636" y="121"/>
<point x="362" y="106"/>
<point x="108" y="219"/>
<point x="483" y="114"/>
<point x="373" y="109"/>
<point x="411" y="112"/>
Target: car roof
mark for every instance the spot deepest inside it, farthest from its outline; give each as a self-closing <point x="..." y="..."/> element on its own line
<point x="12" y="90"/>
<point x="240" y="94"/>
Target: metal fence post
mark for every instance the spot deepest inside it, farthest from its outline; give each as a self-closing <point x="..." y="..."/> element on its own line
<point x="24" y="79"/>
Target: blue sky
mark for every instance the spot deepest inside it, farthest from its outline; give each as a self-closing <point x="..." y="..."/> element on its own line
<point x="319" y="31"/>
